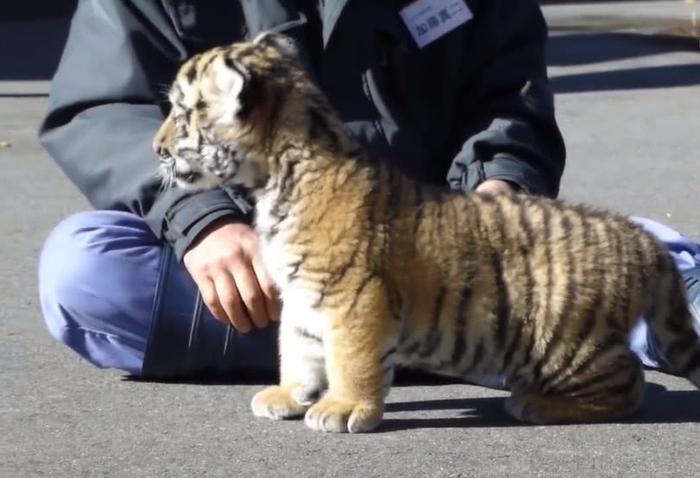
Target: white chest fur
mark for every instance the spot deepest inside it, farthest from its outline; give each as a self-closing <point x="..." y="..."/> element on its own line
<point x="282" y="262"/>
<point x="278" y="256"/>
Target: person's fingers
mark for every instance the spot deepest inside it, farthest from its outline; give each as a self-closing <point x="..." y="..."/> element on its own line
<point x="495" y="186"/>
<point x="210" y="299"/>
<point x="230" y="300"/>
<point x="250" y="295"/>
<point x="223" y="257"/>
<point x="269" y="290"/>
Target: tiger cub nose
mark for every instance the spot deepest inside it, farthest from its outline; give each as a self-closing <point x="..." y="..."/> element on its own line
<point x="163" y="151"/>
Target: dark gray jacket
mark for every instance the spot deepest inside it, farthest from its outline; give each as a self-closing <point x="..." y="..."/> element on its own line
<point x="472" y="105"/>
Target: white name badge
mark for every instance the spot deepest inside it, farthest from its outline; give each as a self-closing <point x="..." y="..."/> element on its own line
<point x="428" y="20"/>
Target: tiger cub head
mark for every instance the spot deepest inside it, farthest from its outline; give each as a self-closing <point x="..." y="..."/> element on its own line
<point x="228" y="107"/>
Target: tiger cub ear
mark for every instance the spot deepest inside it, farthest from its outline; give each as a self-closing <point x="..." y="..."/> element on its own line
<point x="227" y="83"/>
<point x="282" y="43"/>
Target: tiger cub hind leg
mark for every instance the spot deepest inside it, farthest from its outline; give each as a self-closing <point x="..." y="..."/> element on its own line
<point x="610" y="393"/>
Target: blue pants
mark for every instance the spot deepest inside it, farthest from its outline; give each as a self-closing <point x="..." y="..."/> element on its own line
<point x="99" y="281"/>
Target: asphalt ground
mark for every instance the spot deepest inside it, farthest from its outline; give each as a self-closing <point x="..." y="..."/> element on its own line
<point x="628" y="102"/>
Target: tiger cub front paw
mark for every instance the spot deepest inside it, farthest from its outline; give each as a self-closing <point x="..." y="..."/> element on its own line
<point x="340" y="416"/>
<point x="280" y="402"/>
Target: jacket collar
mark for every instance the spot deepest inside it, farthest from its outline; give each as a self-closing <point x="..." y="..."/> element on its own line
<point x="283" y="16"/>
<point x="277" y="15"/>
<point x="381" y="16"/>
<point x="331" y="13"/>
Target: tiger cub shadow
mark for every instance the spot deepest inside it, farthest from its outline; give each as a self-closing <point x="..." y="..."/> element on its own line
<point x="660" y="406"/>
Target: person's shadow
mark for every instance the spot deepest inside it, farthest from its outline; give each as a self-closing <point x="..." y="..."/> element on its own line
<point x="660" y="406"/>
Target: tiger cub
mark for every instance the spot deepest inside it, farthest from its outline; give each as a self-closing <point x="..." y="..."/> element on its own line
<point x="376" y="270"/>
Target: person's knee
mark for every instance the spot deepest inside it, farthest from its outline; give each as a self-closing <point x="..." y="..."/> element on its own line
<point x="89" y="282"/>
<point x="66" y="264"/>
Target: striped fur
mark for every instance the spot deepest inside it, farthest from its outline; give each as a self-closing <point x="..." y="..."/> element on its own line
<point x="376" y="270"/>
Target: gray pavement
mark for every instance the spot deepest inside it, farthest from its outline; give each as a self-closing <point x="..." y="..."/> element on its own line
<point x="629" y="105"/>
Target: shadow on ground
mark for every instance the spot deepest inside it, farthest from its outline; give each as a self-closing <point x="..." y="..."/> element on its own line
<point x="583" y="48"/>
<point x="32" y="47"/>
<point x="590" y="48"/>
<point x="632" y="79"/>
<point x="32" y="35"/>
<point x="660" y="406"/>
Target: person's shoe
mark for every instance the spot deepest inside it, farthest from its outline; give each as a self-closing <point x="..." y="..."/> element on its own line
<point x="691" y="277"/>
<point x="648" y="347"/>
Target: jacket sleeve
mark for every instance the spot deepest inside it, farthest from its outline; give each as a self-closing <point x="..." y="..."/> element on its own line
<point x="511" y="132"/>
<point x="106" y="104"/>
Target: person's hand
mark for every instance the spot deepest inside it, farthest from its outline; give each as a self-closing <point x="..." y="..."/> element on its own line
<point x="495" y="186"/>
<point x="225" y="264"/>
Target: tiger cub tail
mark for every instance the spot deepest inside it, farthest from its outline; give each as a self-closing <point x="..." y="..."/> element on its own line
<point x="671" y="320"/>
